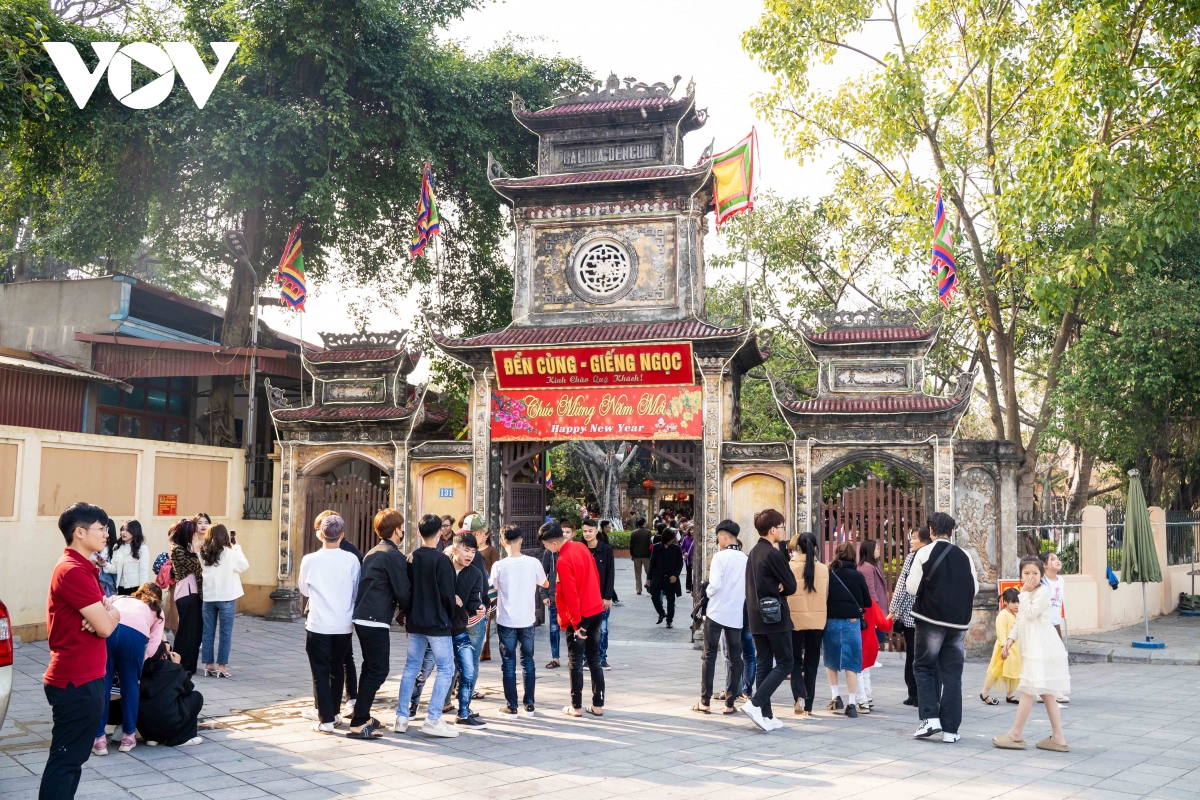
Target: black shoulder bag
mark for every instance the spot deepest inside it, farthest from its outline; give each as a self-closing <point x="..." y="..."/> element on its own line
<point x="770" y="609"/>
<point x="862" y="617"/>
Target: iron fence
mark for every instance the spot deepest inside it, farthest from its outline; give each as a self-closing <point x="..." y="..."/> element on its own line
<point x="258" y="491"/>
<point x="1182" y="529"/>
<point x="1116" y="536"/>
<point x="1055" y="531"/>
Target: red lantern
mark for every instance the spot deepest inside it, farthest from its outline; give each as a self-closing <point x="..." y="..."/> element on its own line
<point x="647" y="484"/>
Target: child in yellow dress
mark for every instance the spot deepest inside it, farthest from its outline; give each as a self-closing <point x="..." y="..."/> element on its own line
<point x="1001" y="668"/>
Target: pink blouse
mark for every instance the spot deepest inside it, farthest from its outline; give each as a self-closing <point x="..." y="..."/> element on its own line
<point x="139" y="616"/>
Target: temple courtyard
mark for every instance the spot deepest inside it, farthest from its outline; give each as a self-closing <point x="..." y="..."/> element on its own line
<point x="1134" y="730"/>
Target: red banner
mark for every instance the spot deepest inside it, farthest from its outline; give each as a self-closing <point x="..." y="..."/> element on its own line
<point x="605" y="365"/>
<point x="619" y="413"/>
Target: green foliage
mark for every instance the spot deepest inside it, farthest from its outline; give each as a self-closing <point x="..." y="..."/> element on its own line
<point x="619" y="540"/>
<point x="26" y="90"/>
<point x="853" y="474"/>
<point x="566" y="508"/>
<point x="570" y="485"/>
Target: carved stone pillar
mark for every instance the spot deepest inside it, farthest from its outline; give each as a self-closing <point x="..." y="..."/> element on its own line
<point x="943" y="476"/>
<point x="709" y="479"/>
<point x="481" y="409"/>
<point x="287" y="604"/>
<point x="801" y="461"/>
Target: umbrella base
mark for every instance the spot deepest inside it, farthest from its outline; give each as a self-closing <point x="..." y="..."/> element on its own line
<point x="1150" y="645"/>
<point x="1189" y="613"/>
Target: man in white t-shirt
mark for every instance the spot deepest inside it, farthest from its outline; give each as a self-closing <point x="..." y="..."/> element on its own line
<point x="1058" y="594"/>
<point x="515" y="580"/>
<point x="329" y="579"/>
<point x="726" y="592"/>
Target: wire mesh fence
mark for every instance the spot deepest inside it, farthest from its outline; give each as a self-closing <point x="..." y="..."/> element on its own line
<point x="1055" y="531"/>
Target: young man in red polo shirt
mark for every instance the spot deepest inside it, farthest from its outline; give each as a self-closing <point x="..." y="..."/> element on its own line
<point x="580" y="612"/>
<point x="78" y="620"/>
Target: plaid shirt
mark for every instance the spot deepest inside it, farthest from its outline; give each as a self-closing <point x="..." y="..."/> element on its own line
<point x="902" y="601"/>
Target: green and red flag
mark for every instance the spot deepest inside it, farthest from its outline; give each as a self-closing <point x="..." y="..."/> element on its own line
<point x="293" y="289"/>
<point x="734" y="173"/>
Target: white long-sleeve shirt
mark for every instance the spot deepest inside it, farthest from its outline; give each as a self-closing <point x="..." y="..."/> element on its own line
<point x="221" y="581"/>
<point x="131" y="572"/>
<point x="727" y="587"/>
<point x="913" y="583"/>
<point x="329" y="578"/>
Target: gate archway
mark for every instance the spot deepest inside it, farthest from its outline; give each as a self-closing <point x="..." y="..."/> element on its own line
<point x="876" y="511"/>
<point x="354" y="490"/>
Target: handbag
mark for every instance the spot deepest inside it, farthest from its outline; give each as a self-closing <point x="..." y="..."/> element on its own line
<point x="770" y="609"/>
<point x="862" y="617"/>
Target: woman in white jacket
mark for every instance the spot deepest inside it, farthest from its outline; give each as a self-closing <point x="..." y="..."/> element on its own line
<point x="221" y="562"/>
<point x="130" y="560"/>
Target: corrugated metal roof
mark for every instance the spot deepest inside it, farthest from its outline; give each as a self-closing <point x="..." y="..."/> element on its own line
<point x="601" y="106"/>
<point x="848" y="335"/>
<point x="26" y="365"/>
<point x="604" y="176"/>
<point x="582" y="334"/>
<point x="886" y="404"/>
<point x="125" y="361"/>
<point x="51" y="400"/>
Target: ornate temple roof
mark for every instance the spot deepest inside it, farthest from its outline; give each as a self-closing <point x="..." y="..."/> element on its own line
<point x="606" y="176"/>
<point x="871" y="334"/>
<point x="691" y="329"/>
<point x="897" y="404"/>
<point x="855" y="335"/>
<point x="614" y="104"/>
<point x="364" y="350"/>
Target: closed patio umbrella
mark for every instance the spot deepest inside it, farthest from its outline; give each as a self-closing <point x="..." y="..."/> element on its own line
<point x="1139" y="558"/>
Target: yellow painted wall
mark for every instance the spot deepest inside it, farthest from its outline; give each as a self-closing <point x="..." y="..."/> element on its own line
<point x="200" y="484"/>
<point x="8" y="477"/>
<point x="33" y="544"/>
<point x="749" y="494"/>
<point x="432" y="478"/>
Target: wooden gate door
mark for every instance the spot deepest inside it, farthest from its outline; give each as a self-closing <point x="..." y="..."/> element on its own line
<point x="355" y="500"/>
<point x="525" y="489"/>
<point x="873" y="510"/>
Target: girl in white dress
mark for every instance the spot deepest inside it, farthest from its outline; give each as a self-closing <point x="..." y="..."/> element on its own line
<point x="1043" y="661"/>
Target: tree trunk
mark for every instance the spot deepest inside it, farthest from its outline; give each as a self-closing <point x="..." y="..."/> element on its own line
<point x="604" y="465"/>
<point x="1081" y="479"/>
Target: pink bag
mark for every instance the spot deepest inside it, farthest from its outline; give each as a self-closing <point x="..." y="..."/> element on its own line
<point x="165" y="577"/>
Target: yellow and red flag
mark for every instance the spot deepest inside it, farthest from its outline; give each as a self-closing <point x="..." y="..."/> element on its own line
<point x="734" y="176"/>
<point x="293" y="289"/>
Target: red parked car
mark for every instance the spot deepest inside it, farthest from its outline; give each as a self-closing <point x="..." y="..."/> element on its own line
<point x="6" y="661"/>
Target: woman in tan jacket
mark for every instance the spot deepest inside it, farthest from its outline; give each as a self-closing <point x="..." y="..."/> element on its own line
<point x="807" y="607"/>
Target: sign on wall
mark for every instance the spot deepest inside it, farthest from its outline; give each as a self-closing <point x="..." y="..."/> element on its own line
<point x="168" y="505"/>
<point x="640" y="365"/>
<point x="619" y="413"/>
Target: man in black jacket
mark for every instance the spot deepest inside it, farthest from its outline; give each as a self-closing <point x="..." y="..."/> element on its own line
<point x="639" y="551"/>
<point x="383" y="590"/>
<point x="769" y="580"/>
<point x="942" y="577"/>
<point x="428" y="621"/>
<point x="470" y="590"/>
<point x="607" y="567"/>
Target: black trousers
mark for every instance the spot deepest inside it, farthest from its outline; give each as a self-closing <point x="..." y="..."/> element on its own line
<point x="713" y="631"/>
<point x="657" y="598"/>
<point x="189" y="632"/>
<point x="806" y="651"/>
<point x="774" y="663"/>
<point x="376" y="650"/>
<point x="909" y="653"/>
<point x="76" y="712"/>
<point x="326" y="655"/>
<point x="588" y="648"/>
<point x="351" y="673"/>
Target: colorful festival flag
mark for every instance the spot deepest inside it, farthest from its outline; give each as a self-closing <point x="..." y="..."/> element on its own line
<point x="549" y="479"/>
<point x="735" y="173"/>
<point x="291" y="273"/>
<point x="428" y="221"/>
<point x="943" y="254"/>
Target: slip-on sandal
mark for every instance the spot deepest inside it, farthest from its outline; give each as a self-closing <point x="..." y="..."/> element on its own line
<point x="367" y="731"/>
<point x="592" y="710"/>
<point x="1053" y="746"/>
<point x="570" y="711"/>
<point x="700" y="710"/>
<point x="1005" y="743"/>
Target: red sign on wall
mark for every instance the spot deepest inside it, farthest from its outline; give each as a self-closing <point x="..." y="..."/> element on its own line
<point x="606" y="365"/>
<point x="669" y="412"/>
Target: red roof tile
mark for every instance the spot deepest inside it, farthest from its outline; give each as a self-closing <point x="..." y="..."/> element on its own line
<point x="582" y="334"/>
<point x="606" y="176"/>
<point x="847" y="335"/>
<point x="336" y="356"/>
<point x="886" y="404"/>
<point x="349" y="413"/>
<point x="607" y="105"/>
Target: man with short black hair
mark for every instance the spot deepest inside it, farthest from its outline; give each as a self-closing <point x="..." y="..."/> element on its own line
<point x="724" y="611"/>
<point x="329" y="579"/>
<point x="942" y="578"/>
<point x="516" y="579"/>
<point x="769" y="581"/>
<point x="470" y="589"/>
<point x="428" y="622"/>
<point x="78" y="620"/>
<point x="577" y="596"/>
<point x="606" y="568"/>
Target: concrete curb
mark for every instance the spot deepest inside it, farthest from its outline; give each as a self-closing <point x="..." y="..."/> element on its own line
<point x="1101" y="653"/>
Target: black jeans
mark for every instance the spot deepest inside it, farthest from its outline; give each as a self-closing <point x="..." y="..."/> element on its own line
<point x="774" y="651"/>
<point x="326" y="655"/>
<point x="588" y="648"/>
<point x="712" y="648"/>
<point x="77" y="712"/>
<point x="909" y="679"/>
<point x="657" y="598"/>
<point x="189" y="632"/>
<point x="937" y="666"/>
<point x="351" y="673"/>
<point x="376" y="649"/>
<point x="806" y="649"/>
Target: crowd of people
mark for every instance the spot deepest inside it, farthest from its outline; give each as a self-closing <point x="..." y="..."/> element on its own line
<point x="777" y="611"/>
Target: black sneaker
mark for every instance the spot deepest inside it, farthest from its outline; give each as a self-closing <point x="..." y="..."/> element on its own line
<point x="474" y="721"/>
<point x="910" y="701"/>
<point x="851" y="711"/>
<point x="527" y="711"/>
<point x="604" y="664"/>
<point x="507" y="712"/>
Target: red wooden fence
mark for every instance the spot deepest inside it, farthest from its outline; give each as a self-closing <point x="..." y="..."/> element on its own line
<point x="873" y="510"/>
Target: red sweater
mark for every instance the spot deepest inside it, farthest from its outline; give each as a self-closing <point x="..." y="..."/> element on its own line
<point x="577" y="587"/>
<point x="870" y="642"/>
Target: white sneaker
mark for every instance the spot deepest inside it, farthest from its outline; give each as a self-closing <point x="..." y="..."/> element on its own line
<point x="400" y="725"/>
<point x="151" y="744"/>
<point x="192" y="741"/>
<point x="439" y="729"/>
<point x="950" y="738"/>
<point x="755" y="714"/>
<point x="323" y="727"/>
<point x="526" y="712"/>
<point x="337" y="720"/>
<point x="311" y="714"/>
<point x="775" y="722"/>
<point x="928" y="728"/>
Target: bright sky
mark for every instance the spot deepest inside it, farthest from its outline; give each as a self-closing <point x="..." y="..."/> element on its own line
<point x="651" y="40"/>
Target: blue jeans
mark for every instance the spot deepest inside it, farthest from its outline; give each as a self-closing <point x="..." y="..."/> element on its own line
<point x="509" y="637"/>
<point x="938" y="666"/>
<point x="555" y="631"/>
<point x="443" y="657"/>
<point x="126" y="654"/>
<point x="212" y="612"/>
<point x="604" y="634"/>
<point x="749" y="663"/>
<point x="477" y="633"/>
<point x="427" y="667"/>
<point x="464" y="660"/>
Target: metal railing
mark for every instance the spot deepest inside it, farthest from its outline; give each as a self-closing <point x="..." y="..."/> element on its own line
<point x="1055" y="531"/>
<point x="1182" y="528"/>
<point x="1116" y="536"/>
<point x="259" y="488"/>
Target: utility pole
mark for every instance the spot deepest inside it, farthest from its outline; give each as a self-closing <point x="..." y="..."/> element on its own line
<point x="235" y="242"/>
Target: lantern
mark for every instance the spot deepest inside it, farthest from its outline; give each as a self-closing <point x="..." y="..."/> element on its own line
<point x="647" y="484"/>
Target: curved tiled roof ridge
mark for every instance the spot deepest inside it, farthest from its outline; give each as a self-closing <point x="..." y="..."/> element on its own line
<point x="871" y="334"/>
<point x="886" y="404"/>
<point x="583" y="334"/>
<point x="605" y="176"/>
<point x="598" y="106"/>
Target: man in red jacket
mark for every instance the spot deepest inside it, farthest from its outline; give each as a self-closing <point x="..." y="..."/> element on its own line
<point x="580" y="611"/>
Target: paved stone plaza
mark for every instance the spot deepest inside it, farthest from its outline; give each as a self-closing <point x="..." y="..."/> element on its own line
<point x="1134" y="730"/>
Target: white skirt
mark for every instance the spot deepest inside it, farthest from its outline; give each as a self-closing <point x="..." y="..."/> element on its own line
<point x="1043" y="662"/>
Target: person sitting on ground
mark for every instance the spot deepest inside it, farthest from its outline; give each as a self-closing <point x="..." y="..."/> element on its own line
<point x="136" y="638"/>
<point x="169" y="705"/>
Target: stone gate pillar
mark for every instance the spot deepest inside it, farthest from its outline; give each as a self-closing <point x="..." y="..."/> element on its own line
<point x="481" y="439"/>
<point x="708" y="489"/>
